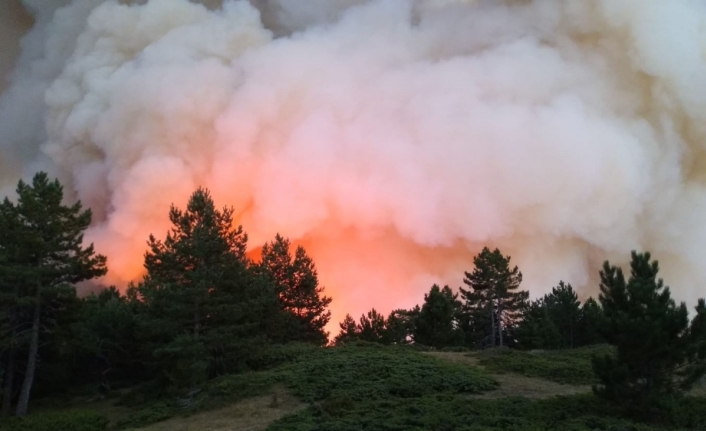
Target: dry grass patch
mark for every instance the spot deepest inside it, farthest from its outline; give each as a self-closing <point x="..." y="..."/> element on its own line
<point x="252" y="414"/>
<point x="456" y="357"/>
<point x="699" y="389"/>
<point x="106" y="407"/>
<point x="514" y="385"/>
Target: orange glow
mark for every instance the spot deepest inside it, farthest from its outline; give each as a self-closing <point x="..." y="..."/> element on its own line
<point x="358" y="272"/>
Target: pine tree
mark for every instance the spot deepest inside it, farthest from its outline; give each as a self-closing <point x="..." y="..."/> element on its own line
<point x="651" y="334"/>
<point x="104" y="338"/>
<point x="553" y="321"/>
<point x="12" y="323"/>
<point x="349" y="331"/>
<point x="204" y="310"/>
<point x="564" y="309"/>
<point x="199" y="252"/>
<point x="493" y="291"/>
<point x="590" y="323"/>
<point x="44" y="255"/>
<point x="399" y="326"/>
<point x="696" y="355"/>
<point x="372" y="327"/>
<point x="436" y="325"/>
<point x="537" y="329"/>
<point x="297" y="286"/>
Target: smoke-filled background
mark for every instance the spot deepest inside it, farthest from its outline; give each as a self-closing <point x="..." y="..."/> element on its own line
<point x="392" y="138"/>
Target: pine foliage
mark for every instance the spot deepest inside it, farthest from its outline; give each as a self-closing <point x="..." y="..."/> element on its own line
<point x="42" y="257"/>
<point x="493" y="299"/>
<point x="297" y="286"/>
<point x="657" y="350"/>
<point x="436" y="324"/>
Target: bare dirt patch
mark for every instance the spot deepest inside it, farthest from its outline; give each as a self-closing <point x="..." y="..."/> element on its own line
<point x="252" y="414"/>
<point x="456" y="357"/>
<point x="515" y="385"/>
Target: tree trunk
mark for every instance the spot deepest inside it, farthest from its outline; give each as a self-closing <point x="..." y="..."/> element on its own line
<point x="197" y="326"/>
<point x="492" y="324"/>
<point x="9" y="383"/>
<point x="23" y="401"/>
<point x="500" y="321"/>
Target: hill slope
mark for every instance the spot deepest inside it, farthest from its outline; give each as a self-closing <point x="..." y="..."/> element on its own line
<point x="371" y="387"/>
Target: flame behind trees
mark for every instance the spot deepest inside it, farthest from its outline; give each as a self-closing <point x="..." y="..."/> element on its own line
<point x="207" y="305"/>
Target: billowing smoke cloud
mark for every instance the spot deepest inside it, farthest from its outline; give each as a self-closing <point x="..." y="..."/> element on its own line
<point x="392" y="138"/>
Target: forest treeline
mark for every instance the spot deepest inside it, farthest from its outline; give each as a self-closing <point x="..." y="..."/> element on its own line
<point x="487" y="313"/>
<point x="204" y="309"/>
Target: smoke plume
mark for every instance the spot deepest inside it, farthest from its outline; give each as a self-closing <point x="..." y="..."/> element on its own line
<point x="392" y="138"/>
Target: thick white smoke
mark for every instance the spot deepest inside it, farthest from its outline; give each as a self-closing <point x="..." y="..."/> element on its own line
<point x="392" y="138"/>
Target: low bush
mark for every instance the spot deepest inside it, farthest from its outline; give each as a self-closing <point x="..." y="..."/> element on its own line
<point x="363" y="371"/>
<point x="447" y="412"/>
<point x="276" y="355"/>
<point x="156" y="412"/>
<point x="378" y="372"/>
<point x="56" y="421"/>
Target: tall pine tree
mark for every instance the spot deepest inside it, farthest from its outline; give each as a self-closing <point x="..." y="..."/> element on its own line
<point x="372" y="327"/>
<point x="654" y="344"/>
<point x="399" y="325"/>
<point x="349" y="331"/>
<point x="205" y="310"/>
<point x="436" y="324"/>
<point x="553" y="321"/>
<point x="493" y="293"/>
<point x="297" y="285"/>
<point x="44" y="256"/>
<point x="590" y="323"/>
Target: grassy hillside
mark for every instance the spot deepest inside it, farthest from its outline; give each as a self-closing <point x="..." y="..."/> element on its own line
<point x="370" y="387"/>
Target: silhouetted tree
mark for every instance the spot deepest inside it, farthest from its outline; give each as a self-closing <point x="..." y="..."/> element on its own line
<point x="204" y="311"/>
<point x="537" y="329"/>
<point x="400" y="326"/>
<point x="565" y="310"/>
<point x="297" y="286"/>
<point x="655" y="348"/>
<point x="493" y="291"/>
<point x="349" y="331"/>
<point x="104" y="338"/>
<point x="435" y="325"/>
<point x="372" y="327"/>
<point x="590" y="323"/>
<point x="44" y="255"/>
<point x="553" y="321"/>
<point x="13" y="324"/>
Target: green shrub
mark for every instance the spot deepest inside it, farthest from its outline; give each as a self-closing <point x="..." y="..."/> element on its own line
<point x="362" y="371"/>
<point x="280" y="354"/>
<point x="378" y="372"/>
<point x="677" y="411"/>
<point x="147" y="415"/>
<point x="442" y="412"/>
<point x="57" y="421"/>
<point x="235" y="387"/>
